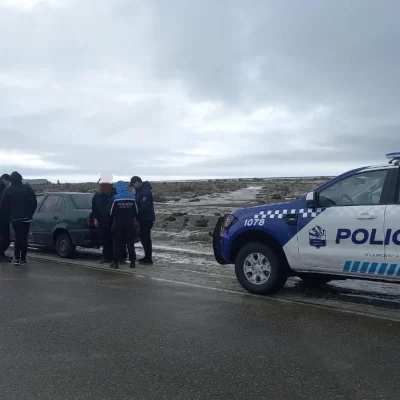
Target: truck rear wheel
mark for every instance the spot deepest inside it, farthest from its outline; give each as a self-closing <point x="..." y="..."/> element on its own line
<point x="258" y="269"/>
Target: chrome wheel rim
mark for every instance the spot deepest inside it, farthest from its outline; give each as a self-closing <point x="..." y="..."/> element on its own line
<point x="257" y="268"/>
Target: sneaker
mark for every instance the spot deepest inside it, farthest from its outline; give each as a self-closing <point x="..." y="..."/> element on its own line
<point x="114" y="265"/>
<point x="22" y="262"/>
<point x="5" y="259"/>
<point x="17" y="261"/>
<point x="132" y="264"/>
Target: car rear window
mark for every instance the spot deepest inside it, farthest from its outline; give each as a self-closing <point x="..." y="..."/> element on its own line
<point x="82" y="201"/>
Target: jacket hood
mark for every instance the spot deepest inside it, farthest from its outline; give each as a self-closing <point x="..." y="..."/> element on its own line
<point x="146" y="185"/>
<point x="121" y="187"/>
<point x="15" y="177"/>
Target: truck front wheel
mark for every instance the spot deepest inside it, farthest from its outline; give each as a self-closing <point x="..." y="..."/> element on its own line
<point x="258" y="269"/>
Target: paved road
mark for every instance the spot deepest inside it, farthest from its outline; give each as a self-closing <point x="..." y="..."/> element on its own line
<point x="71" y="333"/>
<point x="194" y="269"/>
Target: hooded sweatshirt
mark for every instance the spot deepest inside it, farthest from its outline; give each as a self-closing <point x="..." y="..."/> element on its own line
<point x="18" y="202"/>
<point x="123" y="206"/>
<point x="2" y="188"/>
<point x="145" y="203"/>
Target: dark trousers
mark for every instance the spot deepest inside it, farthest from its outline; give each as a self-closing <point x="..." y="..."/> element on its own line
<point x="21" y="230"/>
<point x="123" y="235"/>
<point x="145" y="238"/>
<point x="107" y="241"/>
<point x="4" y="237"/>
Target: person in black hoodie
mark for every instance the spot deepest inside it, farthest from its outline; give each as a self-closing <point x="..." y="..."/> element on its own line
<point x="146" y="217"/>
<point x="101" y="218"/>
<point x="4" y="223"/>
<point x="18" y="204"/>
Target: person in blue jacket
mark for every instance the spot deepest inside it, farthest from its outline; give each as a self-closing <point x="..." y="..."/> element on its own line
<point x="123" y="211"/>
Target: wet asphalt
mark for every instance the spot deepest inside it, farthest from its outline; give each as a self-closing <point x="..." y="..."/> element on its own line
<point x="71" y="333"/>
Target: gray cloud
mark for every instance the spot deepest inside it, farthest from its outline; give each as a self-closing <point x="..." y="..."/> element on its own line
<point x="197" y="89"/>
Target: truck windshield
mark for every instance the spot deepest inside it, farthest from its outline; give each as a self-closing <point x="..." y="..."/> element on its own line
<point x="82" y="201"/>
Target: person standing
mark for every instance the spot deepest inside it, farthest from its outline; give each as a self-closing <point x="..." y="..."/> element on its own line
<point x="123" y="212"/>
<point x="18" y="204"/>
<point x="101" y="219"/>
<point x="124" y="252"/>
<point x="4" y="223"/>
<point x="146" y="217"/>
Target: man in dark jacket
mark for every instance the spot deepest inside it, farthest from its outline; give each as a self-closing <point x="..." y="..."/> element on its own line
<point x="101" y="219"/>
<point x="18" y="204"/>
<point x="4" y="223"/>
<point x="123" y="212"/>
<point x="146" y="217"/>
<point x="124" y="252"/>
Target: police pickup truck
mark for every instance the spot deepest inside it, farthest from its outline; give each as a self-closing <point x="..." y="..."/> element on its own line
<point x="348" y="228"/>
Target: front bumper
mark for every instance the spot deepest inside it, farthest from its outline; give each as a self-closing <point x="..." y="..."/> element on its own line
<point x="217" y="247"/>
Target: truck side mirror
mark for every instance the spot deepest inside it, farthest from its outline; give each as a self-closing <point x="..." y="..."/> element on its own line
<point x="311" y="199"/>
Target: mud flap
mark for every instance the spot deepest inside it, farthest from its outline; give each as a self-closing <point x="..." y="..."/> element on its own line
<point x="217" y="242"/>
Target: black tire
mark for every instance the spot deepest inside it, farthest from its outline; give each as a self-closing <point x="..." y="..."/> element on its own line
<point x="314" y="279"/>
<point x="64" y="246"/>
<point x="278" y="270"/>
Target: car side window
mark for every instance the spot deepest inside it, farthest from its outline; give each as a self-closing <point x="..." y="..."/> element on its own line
<point x="49" y="204"/>
<point x="39" y="199"/>
<point x="60" y="206"/>
<point x="360" y="189"/>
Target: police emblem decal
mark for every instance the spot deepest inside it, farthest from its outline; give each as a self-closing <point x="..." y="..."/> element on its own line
<point x="317" y="237"/>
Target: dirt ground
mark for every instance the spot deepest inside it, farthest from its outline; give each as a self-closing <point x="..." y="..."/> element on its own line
<point x="192" y="217"/>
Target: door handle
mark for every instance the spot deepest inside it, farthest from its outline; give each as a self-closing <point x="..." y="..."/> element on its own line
<point x="55" y="217"/>
<point x="366" y="216"/>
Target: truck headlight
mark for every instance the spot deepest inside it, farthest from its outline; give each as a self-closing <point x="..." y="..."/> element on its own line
<point x="228" y="220"/>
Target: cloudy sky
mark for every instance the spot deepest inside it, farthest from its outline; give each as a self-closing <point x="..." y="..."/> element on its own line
<point x="172" y="89"/>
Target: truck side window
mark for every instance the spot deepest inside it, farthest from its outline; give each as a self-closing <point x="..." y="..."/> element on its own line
<point x="360" y="189"/>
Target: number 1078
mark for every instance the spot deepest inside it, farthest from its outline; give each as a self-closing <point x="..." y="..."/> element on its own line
<point x="254" y="222"/>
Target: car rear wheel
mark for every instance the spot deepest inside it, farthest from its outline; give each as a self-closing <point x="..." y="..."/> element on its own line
<point x="259" y="270"/>
<point x="64" y="246"/>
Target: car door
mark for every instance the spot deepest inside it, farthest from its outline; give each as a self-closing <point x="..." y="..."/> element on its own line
<point x="391" y="269"/>
<point x="39" y="199"/>
<point x="46" y="218"/>
<point x="347" y="234"/>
